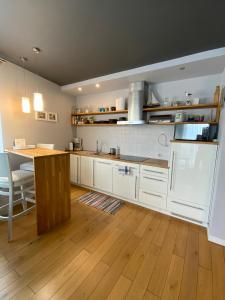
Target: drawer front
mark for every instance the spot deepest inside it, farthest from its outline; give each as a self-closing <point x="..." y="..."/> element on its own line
<point x="154" y="171"/>
<point x="152" y="199"/>
<point x="187" y="211"/>
<point x="153" y="184"/>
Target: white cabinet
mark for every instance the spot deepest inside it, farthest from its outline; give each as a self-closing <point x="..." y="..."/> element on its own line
<point x="86" y="171"/>
<point x="191" y="179"/>
<point x="74" y="168"/>
<point x="103" y="175"/>
<point x="153" y="187"/>
<point x="126" y="185"/>
<point x="153" y="200"/>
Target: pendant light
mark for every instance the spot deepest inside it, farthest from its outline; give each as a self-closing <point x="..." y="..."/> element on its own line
<point x="38" y="102"/>
<point x="38" y="97"/>
<point x="25" y="100"/>
<point x="26" y="105"/>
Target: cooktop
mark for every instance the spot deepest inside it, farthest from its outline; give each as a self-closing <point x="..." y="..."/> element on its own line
<point x="132" y="158"/>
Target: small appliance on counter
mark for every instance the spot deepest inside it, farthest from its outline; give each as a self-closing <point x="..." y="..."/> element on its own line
<point x="112" y="151"/>
<point x="78" y="144"/>
<point x="196" y="132"/>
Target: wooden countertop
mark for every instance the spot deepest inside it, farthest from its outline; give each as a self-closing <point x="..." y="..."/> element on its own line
<point x="36" y="152"/>
<point x="159" y="163"/>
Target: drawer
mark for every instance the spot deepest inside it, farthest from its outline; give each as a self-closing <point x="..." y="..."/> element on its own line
<point x="152" y="199"/>
<point x="187" y="211"/>
<point x="153" y="184"/>
<point x="159" y="172"/>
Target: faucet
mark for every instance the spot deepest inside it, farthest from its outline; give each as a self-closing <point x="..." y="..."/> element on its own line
<point x="97" y="148"/>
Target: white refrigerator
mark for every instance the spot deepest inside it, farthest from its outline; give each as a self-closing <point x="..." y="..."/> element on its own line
<point x="191" y="176"/>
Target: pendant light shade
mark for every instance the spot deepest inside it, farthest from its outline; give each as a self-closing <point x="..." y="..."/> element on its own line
<point x="26" y="105"/>
<point x="38" y="102"/>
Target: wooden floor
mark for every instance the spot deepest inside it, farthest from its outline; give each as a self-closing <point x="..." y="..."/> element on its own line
<point x="135" y="254"/>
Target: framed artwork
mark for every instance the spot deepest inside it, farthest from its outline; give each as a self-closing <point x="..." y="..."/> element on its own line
<point x="52" y="117"/>
<point x="41" y="115"/>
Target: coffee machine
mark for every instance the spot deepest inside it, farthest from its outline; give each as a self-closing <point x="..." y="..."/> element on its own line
<point x="78" y="144"/>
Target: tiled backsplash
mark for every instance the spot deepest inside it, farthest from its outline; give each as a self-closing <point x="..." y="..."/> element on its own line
<point x="141" y="140"/>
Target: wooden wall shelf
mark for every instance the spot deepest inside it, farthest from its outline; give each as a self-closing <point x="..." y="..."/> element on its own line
<point x="156" y="109"/>
<point x="96" y="124"/>
<point x="181" y="107"/>
<point x="101" y="113"/>
<point x="160" y="123"/>
<point x="151" y="109"/>
<point x="176" y="123"/>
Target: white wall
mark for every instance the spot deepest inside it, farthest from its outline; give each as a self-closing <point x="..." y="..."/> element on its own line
<point x="216" y="228"/>
<point x="17" y="124"/>
<point x="1" y="136"/>
<point x="140" y="140"/>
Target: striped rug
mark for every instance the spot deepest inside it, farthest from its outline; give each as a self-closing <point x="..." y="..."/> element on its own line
<point x="102" y="202"/>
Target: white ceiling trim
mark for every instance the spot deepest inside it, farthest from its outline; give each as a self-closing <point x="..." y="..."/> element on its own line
<point x="200" y="64"/>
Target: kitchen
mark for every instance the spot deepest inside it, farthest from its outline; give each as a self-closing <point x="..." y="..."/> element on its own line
<point x="125" y="166"/>
<point x="164" y="177"/>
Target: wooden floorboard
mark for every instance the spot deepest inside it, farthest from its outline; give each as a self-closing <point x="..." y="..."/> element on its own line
<point x="134" y="254"/>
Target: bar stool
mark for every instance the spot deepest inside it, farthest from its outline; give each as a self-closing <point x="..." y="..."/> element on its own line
<point x="18" y="183"/>
<point x="29" y="166"/>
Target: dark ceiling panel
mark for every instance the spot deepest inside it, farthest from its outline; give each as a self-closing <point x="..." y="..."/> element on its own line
<point x="83" y="39"/>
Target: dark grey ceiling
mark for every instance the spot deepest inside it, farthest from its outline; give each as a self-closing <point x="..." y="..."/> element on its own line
<point x="82" y="39"/>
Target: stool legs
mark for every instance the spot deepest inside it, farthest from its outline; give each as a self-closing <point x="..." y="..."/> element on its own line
<point x="24" y="202"/>
<point x="10" y="216"/>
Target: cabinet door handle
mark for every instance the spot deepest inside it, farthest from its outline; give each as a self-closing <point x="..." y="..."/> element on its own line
<point x="103" y="163"/>
<point x="152" y="194"/>
<point x="184" y="204"/>
<point x="153" y="179"/>
<point x="172" y="171"/>
<point x="158" y="172"/>
<point x="135" y="187"/>
<point x="132" y="168"/>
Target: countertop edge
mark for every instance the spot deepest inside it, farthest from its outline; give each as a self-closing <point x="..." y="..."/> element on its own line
<point x="157" y="163"/>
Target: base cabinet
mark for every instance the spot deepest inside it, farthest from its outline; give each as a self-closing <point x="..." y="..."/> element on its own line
<point x="126" y="185"/>
<point x="86" y="171"/>
<point x="74" y="169"/>
<point x="153" y="187"/>
<point x="183" y="191"/>
<point x="103" y="175"/>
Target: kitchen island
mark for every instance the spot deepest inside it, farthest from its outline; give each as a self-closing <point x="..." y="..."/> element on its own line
<point x="52" y="186"/>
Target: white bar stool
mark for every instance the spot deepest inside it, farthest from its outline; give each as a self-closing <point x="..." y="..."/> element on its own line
<point x="14" y="183"/>
<point x="29" y="166"/>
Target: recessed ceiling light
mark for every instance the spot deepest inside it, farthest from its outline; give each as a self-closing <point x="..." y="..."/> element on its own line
<point x="23" y="59"/>
<point x="182" y="68"/>
<point x="97" y="85"/>
<point x="80" y="89"/>
<point x="36" y="50"/>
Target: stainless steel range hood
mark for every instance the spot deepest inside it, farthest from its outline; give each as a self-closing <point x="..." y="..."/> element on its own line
<point x="135" y="104"/>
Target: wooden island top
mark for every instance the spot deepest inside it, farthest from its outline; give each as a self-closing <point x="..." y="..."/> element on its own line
<point x="52" y="186"/>
<point x="35" y="152"/>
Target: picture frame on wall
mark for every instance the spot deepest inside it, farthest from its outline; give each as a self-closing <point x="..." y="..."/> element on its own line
<point x="52" y="117"/>
<point x="41" y="116"/>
